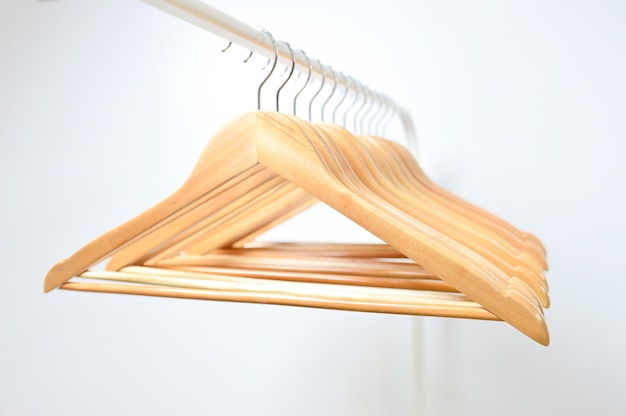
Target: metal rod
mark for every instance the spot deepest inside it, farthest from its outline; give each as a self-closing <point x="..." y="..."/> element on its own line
<point x="207" y="17"/>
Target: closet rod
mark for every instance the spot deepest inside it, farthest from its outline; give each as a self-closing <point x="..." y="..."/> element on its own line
<point x="219" y="23"/>
<point x="207" y="17"/>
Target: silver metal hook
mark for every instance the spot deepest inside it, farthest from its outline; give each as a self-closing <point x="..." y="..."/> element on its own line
<point x="388" y="119"/>
<point x="370" y="98"/>
<point x="318" y="91"/>
<point x="269" y="35"/>
<point x="409" y="130"/>
<point x="353" y="103"/>
<point x="245" y="61"/>
<point x="269" y="61"/>
<point x="293" y="66"/>
<point x="308" y="78"/>
<point x="383" y="116"/>
<point x="343" y="98"/>
<point x="356" y="115"/>
<point x="370" y="124"/>
<point x="227" y="46"/>
<point x="356" y="98"/>
<point x="332" y="92"/>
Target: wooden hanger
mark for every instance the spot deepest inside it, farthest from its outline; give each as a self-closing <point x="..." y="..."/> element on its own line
<point x="417" y="204"/>
<point x="184" y="245"/>
<point x="524" y="241"/>
<point x="296" y="152"/>
<point x="194" y="285"/>
<point x="401" y="165"/>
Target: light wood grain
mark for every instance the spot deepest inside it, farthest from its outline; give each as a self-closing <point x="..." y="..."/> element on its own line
<point x="318" y="171"/>
<point x="285" y="164"/>
<point x="160" y="282"/>
<point x="368" y="176"/>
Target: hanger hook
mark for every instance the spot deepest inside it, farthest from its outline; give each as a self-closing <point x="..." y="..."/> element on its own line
<point x="356" y="98"/>
<point x="318" y="91"/>
<point x="293" y="66"/>
<point x="409" y="130"/>
<point x="230" y="42"/>
<point x="343" y="98"/>
<point x="245" y="61"/>
<point x="308" y="78"/>
<point x="364" y="89"/>
<point x="351" y="89"/>
<point x="332" y="92"/>
<point x="370" y="98"/>
<point x="383" y="115"/>
<point x="370" y="124"/>
<point x="269" y="61"/>
<point x="387" y="121"/>
<point x="269" y="35"/>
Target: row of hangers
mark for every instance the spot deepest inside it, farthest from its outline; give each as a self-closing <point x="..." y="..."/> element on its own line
<point x="441" y="256"/>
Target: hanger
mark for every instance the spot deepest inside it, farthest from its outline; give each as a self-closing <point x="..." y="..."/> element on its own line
<point x="416" y="204"/>
<point x="289" y="147"/>
<point x="190" y="285"/>
<point x="523" y="241"/>
<point x="398" y="165"/>
<point x="307" y="163"/>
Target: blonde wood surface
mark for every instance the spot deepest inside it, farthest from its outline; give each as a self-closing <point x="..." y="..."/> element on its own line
<point x="300" y="154"/>
<point x="413" y="283"/>
<point x="252" y="217"/>
<point x="287" y="262"/>
<point x="352" y="250"/>
<point x="445" y="310"/>
<point x="370" y="267"/>
<point x="331" y="296"/>
<point x="316" y="170"/>
<point x="211" y="210"/>
<point x="403" y="161"/>
<point x="209" y="174"/>
<point x="482" y="230"/>
<point x="531" y="242"/>
<point x="206" y="230"/>
<point x="271" y="224"/>
<point x="369" y="175"/>
<point x="260" y="201"/>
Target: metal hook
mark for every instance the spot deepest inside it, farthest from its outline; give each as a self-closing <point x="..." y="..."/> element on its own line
<point x="269" y="61"/>
<point x="370" y="124"/>
<point x="357" y="93"/>
<point x="269" y="35"/>
<point x="359" y="117"/>
<point x="409" y="130"/>
<point x="332" y="92"/>
<point x="293" y="66"/>
<point x="345" y="94"/>
<point x="364" y="89"/>
<point x="388" y="119"/>
<point x="370" y="97"/>
<point x="227" y="46"/>
<point x="308" y="78"/>
<point x="356" y="98"/>
<point x="318" y="91"/>
<point x="245" y="61"/>
<point x="383" y="116"/>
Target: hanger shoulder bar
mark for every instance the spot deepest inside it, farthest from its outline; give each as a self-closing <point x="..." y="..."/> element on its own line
<point x="237" y="139"/>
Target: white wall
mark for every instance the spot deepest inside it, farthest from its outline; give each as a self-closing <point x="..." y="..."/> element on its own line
<point x="104" y="107"/>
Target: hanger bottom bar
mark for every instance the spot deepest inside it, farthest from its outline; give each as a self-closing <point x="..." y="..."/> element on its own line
<point x="448" y="311"/>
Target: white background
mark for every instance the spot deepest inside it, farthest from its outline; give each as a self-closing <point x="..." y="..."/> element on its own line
<point x="105" y="106"/>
